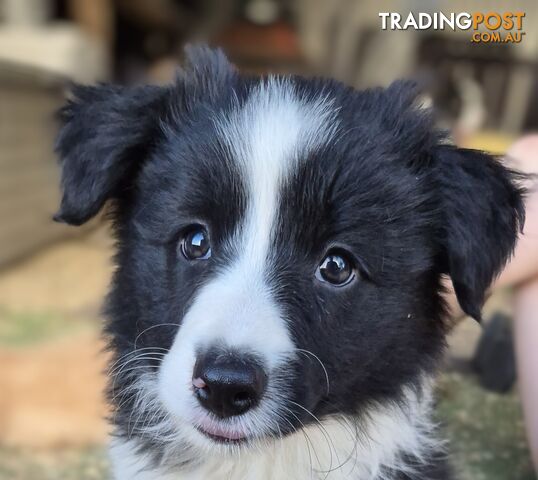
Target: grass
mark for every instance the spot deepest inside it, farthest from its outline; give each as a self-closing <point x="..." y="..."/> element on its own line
<point x="486" y="430"/>
<point x="84" y="464"/>
<point x="23" y="328"/>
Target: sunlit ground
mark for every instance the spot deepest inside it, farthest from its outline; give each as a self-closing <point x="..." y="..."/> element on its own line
<point x="51" y="424"/>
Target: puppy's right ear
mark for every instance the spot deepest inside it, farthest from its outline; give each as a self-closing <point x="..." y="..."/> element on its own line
<point x="105" y="134"/>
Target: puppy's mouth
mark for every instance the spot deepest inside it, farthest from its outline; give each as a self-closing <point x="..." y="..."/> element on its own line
<point x="222" y="435"/>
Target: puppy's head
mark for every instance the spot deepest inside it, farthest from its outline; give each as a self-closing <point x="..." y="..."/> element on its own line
<point x="281" y="243"/>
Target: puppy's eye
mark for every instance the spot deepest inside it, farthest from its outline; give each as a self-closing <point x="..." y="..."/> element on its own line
<point x="336" y="268"/>
<point x="195" y="244"/>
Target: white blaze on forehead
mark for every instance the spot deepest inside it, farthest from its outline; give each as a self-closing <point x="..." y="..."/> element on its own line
<point x="267" y="136"/>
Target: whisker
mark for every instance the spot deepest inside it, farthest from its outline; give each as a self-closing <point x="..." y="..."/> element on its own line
<point x="142" y="356"/>
<point x="308" y="352"/>
<point x="151" y="328"/>
<point x="133" y="352"/>
<point x="328" y="438"/>
<point x="309" y="440"/>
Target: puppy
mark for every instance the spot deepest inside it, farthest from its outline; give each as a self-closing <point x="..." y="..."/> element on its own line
<point x="276" y="311"/>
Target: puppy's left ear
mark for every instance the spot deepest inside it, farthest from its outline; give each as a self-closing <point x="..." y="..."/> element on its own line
<point x="105" y="134"/>
<point x="482" y="213"/>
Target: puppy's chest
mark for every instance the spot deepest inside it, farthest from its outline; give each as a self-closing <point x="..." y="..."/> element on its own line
<point x="295" y="458"/>
<point x="261" y="468"/>
<point x="253" y="470"/>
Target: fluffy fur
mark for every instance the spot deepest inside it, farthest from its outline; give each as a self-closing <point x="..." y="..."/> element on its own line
<point x="280" y="171"/>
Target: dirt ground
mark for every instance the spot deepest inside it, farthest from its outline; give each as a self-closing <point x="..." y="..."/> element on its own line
<point x="52" y="393"/>
<point x="50" y="347"/>
<point x="51" y="377"/>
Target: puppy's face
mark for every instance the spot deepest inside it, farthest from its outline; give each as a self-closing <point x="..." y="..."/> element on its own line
<point x="281" y="243"/>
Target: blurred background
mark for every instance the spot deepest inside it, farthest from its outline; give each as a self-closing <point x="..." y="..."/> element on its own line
<point x="53" y="278"/>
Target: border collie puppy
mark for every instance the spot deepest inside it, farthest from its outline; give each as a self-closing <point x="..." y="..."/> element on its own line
<point x="276" y="311"/>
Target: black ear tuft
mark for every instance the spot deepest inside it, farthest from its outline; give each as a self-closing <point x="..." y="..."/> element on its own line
<point x="404" y="94"/>
<point x="482" y="213"/>
<point x="208" y="63"/>
<point x="106" y="131"/>
<point x="205" y="72"/>
<point x="405" y="117"/>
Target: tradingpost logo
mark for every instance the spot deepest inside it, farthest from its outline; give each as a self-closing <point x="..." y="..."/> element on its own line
<point x="483" y="27"/>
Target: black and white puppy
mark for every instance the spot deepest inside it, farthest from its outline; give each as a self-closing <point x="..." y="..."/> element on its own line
<point x="276" y="312"/>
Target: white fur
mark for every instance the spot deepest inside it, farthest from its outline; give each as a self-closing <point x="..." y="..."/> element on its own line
<point x="338" y="450"/>
<point x="268" y="137"/>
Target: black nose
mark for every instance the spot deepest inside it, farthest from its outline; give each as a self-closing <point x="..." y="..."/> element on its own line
<point x="228" y="385"/>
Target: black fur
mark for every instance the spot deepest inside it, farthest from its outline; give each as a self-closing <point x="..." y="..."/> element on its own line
<point x="407" y="204"/>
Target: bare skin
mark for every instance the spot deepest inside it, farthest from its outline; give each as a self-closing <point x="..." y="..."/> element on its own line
<point x="521" y="273"/>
